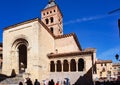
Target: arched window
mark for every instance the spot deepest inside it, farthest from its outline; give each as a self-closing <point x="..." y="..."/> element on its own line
<point x="73" y="65"/>
<point x="80" y="65"/>
<point x="47" y="21"/>
<point x="52" y="30"/>
<point x="59" y="67"/>
<point x="52" y="66"/>
<point x="65" y="66"/>
<point x="51" y="19"/>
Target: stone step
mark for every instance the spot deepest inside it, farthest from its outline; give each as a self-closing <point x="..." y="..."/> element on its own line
<point x="73" y="76"/>
<point x="12" y="80"/>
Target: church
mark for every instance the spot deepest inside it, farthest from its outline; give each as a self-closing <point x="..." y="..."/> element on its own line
<point x="38" y="48"/>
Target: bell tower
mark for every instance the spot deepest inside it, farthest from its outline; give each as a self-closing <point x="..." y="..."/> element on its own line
<point x="52" y="17"/>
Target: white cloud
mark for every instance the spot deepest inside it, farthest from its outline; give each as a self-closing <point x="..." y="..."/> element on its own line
<point x="84" y="19"/>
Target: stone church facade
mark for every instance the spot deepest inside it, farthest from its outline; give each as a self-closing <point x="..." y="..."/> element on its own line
<point x="38" y="48"/>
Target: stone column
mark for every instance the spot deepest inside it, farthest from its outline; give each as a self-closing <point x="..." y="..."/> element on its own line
<point x="84" y="66"/>
<point x="61" y="65"/>
<point x="76" y="60"/>
<point x="69" y="66"/>
<point x="16" y="55"/>
<point x="55" y="62"/>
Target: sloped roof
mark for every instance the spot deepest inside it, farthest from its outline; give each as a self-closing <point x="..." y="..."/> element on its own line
<point x="103" y="61"/>
<point x="50" y="4"/>
<point x="116" y="64"/>
<point x="57" y="55"/>
<point x="55" y="37"/>
<point x="29" y="21"/>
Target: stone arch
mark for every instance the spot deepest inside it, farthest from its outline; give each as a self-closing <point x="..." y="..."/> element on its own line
<point x="80" y="64"/>
<point x="65" y="66"/>
<point x="20" y="46"/>
<point x="18" y="42"/>
<point x="72" y="65"/>
<point x="59" y="66"/>
<point x="52" y="66"/>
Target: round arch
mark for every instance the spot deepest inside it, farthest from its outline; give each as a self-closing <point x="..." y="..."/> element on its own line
<point x="65" y="66"/>
<point x="52" y="66"/>
<point x="20" y="46"/>
<point x="72" y="65"/>
<point x="18" y="42"/>
<point x="59" y="66"/>
<point x="80" y="64"/>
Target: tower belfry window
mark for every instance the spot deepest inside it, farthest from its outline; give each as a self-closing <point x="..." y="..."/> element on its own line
<point x="43" y="13"/>
<point x="52" y="19"/>
<point x="47" y="21"/>
<point x="51" y="29"/>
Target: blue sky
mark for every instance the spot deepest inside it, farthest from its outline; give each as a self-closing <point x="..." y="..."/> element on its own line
<point x="89" y="19"/>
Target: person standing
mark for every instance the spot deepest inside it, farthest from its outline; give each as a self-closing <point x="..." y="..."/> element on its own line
<point x="36" y="82"/>
<point x="29" y="82"/>
<point x="49" y="83"/>
<point x="52" y="82"/>
<point x="57" y="83"/>
<point x="20" y="83"/>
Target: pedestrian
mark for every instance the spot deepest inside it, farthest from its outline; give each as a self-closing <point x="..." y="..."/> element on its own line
<point x="36" y="82"/>
<point x="29" y="82"/>
<point x="49" y="83"/>
<point x="52" y="82"/>
<point x="64" y="82"/>
<point x="57" y="83"/>
<point x="45" y="82"/>
<point x="20" y="83"/>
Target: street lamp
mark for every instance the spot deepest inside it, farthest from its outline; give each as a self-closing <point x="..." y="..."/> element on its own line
<point x="117" y="57"/>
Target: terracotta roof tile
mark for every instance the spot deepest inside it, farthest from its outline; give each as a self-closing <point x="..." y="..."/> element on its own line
<point x="116" y="64"/>
<point x="52" y="55"/>
<point x="103" y="61"/>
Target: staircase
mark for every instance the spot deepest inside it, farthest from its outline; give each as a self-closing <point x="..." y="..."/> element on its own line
<point x="13" y="80"/>
<point x="60" y="76"/>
